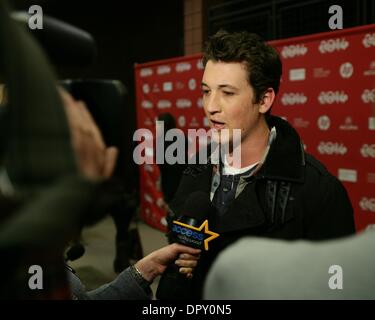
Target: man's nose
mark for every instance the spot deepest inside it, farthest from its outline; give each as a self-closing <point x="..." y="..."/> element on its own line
<point x="212" y="103"/>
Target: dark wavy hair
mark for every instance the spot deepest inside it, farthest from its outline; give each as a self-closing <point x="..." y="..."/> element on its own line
<point x="263" y="62"/>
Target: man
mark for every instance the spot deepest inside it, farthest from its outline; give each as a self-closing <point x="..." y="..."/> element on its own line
<point x="279" y="190"/>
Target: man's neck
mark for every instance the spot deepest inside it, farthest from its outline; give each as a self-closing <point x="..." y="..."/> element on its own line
<point x="254" y="147"/>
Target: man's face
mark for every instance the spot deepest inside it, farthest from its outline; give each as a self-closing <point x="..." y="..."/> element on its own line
<point x="227" y="98"/>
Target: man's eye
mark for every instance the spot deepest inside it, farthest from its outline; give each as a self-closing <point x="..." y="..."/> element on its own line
<point x="205" y="92"/>
<point x="228" y="93"/>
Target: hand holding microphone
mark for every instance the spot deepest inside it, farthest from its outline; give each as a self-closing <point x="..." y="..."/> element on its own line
<point x="192" y="230"/>
<point x="156" y="262"/>
<point x="186" y="263"/>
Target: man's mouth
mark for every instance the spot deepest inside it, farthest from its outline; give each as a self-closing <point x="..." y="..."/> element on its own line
<point x="218" y="125"/>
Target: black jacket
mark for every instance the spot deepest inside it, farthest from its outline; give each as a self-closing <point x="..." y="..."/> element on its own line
<point x="291" y="197"/>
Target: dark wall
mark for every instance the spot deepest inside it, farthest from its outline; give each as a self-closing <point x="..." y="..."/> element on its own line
<point x="279" y="19"/>
<point x="126" y="32"/>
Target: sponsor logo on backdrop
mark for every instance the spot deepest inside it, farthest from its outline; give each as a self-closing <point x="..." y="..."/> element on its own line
<point x="200" y="102"/>
<point x="206" y="123"/>
<point x="148" y="198"/>
<point x="300" y="123"/>
<point x="371" y="123"/>
<point x="146" y="88"/>
<point x="368" y="150"/>
<point x="167" y="86"/>
<point x="194" y="123"/>
<point x="297" y="74"/>
<point x="149" y="168"/>
<point x="179" y="85"/>
<point x="330" y="97"/>
<point x="332" y="45"/>
<point x="293" y="51"/>
<point x="181" y="121"/>
<point x="324" y="122"/>
<point x="183" y="66"/>
<point x="347" y="175"/>
<point x="192" y="84"/>
<point x="200" y="64"/>
<point x="146" y="72"/>
<point x="371" y="177"/>
<point x="371" y="69"/>
<point x="148" y="213"/>
<point x="320" y="72"/>
<point x="164" y="104"/>
<point x="148" y="122"/>
<point x="146" y="104"/>
<point x="159" y="202"/>
<point x="369" y="40"/>
<point x="367" y="204"/>
<point x="332" y="148"/>
<point x="346" y="70"/>
<point x="155" y="88"/>
<point x="165" y="69"/>
<point x="163" y="221"/>
<point x="290" y="99"/>
<point x="183" y="103"/>
<point x="348" y="125"/>
<point x="368" y="96"/>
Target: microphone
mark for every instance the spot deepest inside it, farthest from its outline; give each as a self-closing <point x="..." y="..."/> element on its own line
<point x="191" y="229"/>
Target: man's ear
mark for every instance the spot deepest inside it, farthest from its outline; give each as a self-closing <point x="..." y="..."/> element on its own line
<point x="267" y="100"/>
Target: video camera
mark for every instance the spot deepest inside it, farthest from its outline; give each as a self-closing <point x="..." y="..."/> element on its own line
<point x="69" y="46"/>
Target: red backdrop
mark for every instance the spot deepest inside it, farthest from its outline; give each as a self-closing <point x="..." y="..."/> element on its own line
<point x="327" y="93"/>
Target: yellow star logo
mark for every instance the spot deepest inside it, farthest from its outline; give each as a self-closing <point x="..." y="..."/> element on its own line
<point x="213" y="235"/>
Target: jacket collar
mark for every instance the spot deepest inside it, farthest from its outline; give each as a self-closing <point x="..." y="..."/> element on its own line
<point x="286" y="157"/>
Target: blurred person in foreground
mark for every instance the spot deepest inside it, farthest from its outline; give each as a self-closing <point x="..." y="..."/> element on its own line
<point x="302" y="270"/>
<point x="53" y="164"/>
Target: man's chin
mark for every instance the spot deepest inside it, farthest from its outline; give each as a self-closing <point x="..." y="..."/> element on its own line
<point x="222" y="136"/>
